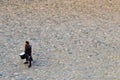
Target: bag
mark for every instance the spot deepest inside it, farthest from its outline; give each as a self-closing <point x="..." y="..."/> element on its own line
<point x="22" y="55"/>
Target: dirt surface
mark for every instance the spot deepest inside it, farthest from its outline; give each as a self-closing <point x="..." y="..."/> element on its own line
<point x="71" y="39"/>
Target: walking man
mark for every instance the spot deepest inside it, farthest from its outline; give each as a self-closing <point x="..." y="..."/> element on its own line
<point x="28" y="51"/>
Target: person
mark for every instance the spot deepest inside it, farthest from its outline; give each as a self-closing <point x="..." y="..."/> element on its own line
<point x="28" y="51"/>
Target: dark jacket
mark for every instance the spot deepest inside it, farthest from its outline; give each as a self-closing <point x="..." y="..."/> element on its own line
<point x="28" y="50"/>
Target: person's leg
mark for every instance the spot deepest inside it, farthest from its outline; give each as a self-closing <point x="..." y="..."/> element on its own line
<point x="29" y="62"/>
<point x="31" y="58"/>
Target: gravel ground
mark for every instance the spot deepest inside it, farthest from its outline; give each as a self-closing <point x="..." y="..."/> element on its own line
<point x="71" y="39"/>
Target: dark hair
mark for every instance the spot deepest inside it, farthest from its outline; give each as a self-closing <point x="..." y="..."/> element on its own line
<point x="27" y="42"/>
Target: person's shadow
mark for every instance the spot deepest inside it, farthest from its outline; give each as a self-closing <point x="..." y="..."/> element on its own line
<point x="38" y="61"/>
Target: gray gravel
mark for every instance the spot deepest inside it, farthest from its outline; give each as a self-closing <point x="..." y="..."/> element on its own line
<point x="71" y="39"/>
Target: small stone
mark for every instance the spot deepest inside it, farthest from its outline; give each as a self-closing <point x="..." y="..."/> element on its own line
<point x="90" y="55"/>
<point x="1" y="74"/>
<point x="16" y="74"/>
<point x="34" y="39"/>
<point x="69" y="52"/>
<point x="30" y="79"/>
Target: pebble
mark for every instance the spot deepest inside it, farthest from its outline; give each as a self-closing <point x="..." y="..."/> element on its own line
<point x="1" y="74"/>
<point x="30" y="79"/>
<point x="16" y="74"/>
<point x="69" y="51"/>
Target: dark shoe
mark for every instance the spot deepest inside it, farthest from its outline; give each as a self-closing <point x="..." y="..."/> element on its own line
<point x="25" y="62"/>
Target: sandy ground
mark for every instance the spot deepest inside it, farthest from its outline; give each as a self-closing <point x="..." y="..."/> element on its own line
<point x="71" y="39"/>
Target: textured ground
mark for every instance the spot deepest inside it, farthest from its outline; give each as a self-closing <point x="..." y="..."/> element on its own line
<point x="71" y="39"/>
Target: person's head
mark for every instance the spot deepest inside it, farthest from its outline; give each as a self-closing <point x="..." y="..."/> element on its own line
<point x="27" y="42"/>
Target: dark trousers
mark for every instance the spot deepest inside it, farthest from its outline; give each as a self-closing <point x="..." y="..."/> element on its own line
<point x="29" y="59"/>
<point x="29" y="62"/>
